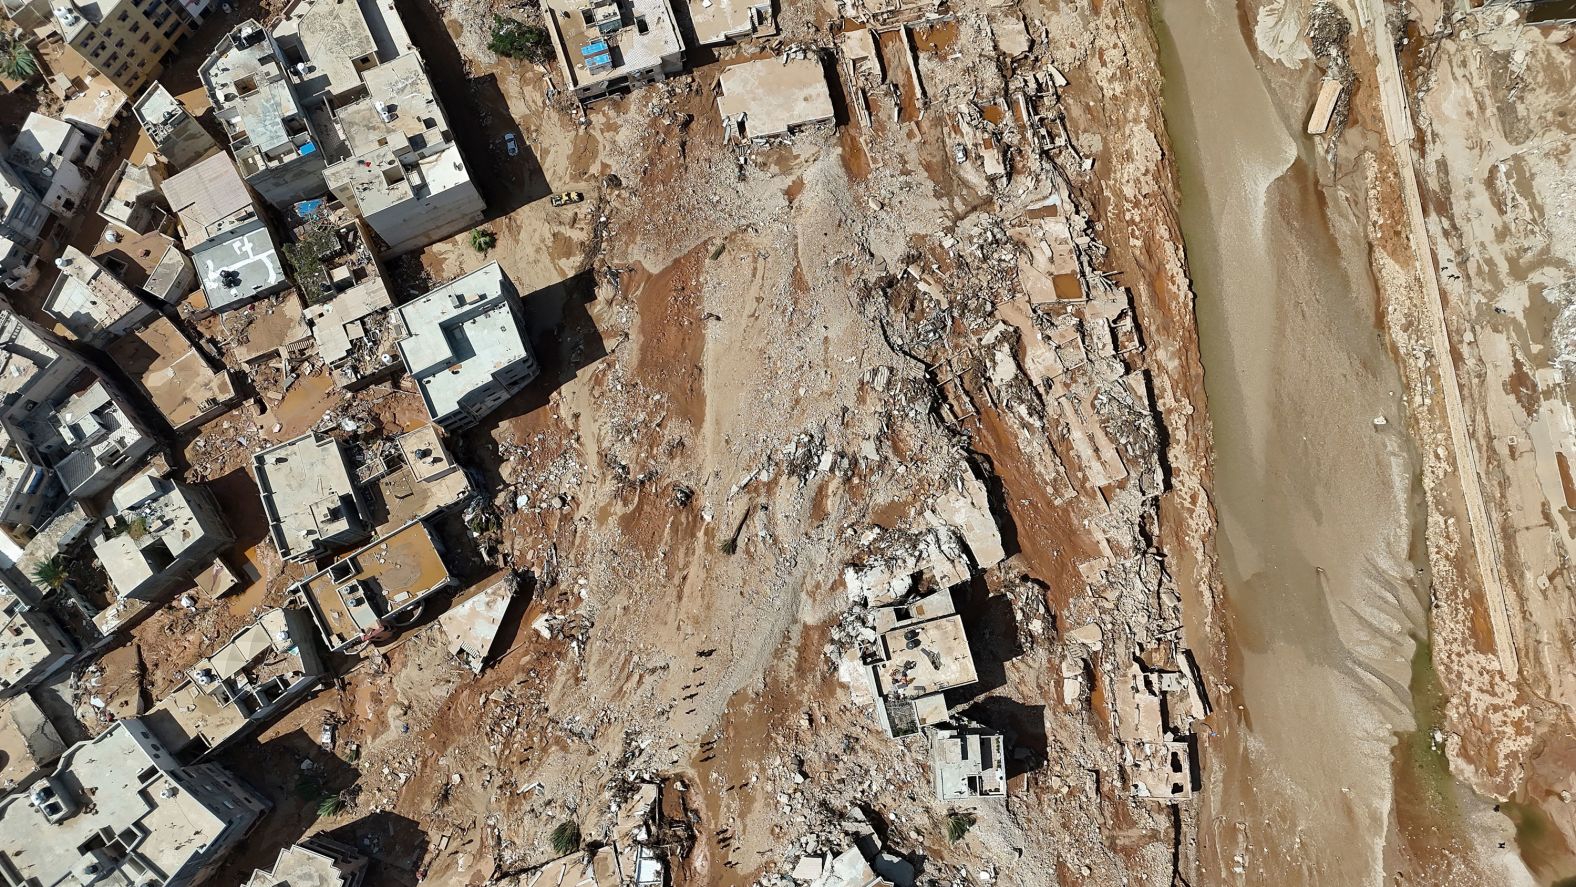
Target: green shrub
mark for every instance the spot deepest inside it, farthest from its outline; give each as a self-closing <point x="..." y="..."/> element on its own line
<point x="483" y="240"/>
<point x="518" y="40"/>
<point x="565" y="838"/>
<point x="958" y="825"/>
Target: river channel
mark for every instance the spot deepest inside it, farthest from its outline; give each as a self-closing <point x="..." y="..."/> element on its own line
<point x="1316" y="478"/>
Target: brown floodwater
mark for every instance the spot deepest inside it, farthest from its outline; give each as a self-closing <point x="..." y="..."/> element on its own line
<point x="1318" y="505"/>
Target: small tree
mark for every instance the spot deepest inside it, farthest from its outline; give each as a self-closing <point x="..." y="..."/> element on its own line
<point x="958" y="825"/>
<point x="483" y="240"/>
<point x="331" y="805"/>
<point x="518" y="40"/>
<point x="17" y="61"/>
<point x="565" y="838"/>
<point x="137" y="528"/>
<point x="51" y="573"/>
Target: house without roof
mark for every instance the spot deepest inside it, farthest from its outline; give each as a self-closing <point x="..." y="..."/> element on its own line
<point x="263" y="671"/>
<point x="467" y="349"/>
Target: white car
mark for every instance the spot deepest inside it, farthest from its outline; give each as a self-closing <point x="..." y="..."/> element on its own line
<point x="511" y="143"/>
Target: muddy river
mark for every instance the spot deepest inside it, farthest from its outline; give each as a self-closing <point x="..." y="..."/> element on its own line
<point x="1315" y="479"/>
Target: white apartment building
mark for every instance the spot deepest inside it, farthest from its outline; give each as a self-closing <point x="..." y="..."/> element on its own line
<point x="32" y="645"/>
<point x="309" y="497"/>
<point x="56" y="159"/>
<point x="467" y="349"/>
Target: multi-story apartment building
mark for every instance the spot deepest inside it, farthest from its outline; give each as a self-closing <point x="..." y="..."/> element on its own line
<point x="119" y="809"/>
<point x="124" y="40"/>
<point x="158" y="535"/>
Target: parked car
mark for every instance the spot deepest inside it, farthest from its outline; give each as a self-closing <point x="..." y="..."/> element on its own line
<point x="565" y="198"/>
<point x="511" y="143"/>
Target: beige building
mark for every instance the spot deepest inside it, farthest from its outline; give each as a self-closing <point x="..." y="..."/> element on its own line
<point x="175" y="133"/>
<point x="92" y="303"/>
<point x="263" y="671"/>
<point x="32" y="646"/>
<point x="132" y="199"/>
<point x="309" y="497"/>
<point x="316" y="862"/>
<point x="158" y="534"/>
<point x="124" y="40"/>
<point x="604" y="46"/>
<point x="271" y="135"/>
<point x="119" y="810"/>
<point x="369" y="593"/>
<point x="771" y="97"/>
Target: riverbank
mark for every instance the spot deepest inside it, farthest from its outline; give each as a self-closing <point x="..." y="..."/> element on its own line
<point x="1316" y="479"/>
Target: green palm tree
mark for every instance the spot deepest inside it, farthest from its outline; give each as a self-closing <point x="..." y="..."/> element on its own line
<point x="51" y="573"/>
<point x="17" y="61"/>
<point x="331" y="805"/>
<point x="565" y="838"/>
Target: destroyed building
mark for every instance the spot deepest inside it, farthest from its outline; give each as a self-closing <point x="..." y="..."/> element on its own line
<point x="1155" y="709"/>
<point x="467" y="347"/>
<point x="921" y="652"/>
<point x="224" y="230"/>
<point x="371" y="592"/>
<point x="157" y="535"/>
<point x="771" y="97"/>
<point x="32" y="645"/>
<point x="56" y="160"/>
<point x="118" y="809"/>
<point x="175" y="133"/>
<point x="132" y="200"/>
<point x="967" y="764"/>
<point x="272" y="138"/>
<point x="604" y="46"/>
<point x="312" y="504"/>
<point x="93" y="303"/>
<point x="264" y="671"/>
<point x="350" y="312"/>
<point x="317" y="861"/>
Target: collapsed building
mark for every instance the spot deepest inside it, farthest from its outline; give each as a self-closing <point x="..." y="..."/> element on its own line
<point x="920" y="653"/>
<point x="265" y="670"/>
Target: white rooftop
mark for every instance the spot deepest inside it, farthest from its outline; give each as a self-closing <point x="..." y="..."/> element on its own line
<point x="460" y="335"/>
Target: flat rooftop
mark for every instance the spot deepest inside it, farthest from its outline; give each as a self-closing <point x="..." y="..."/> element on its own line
<point x="717" y="21"/>
<point x="152" y="261"/>
<point x="612" y="38"/>
<point x="338" y="40"/>
<point x="239" y="266"/>
<point x="87" y="299"/>
<point x="120" y="794"/>
<point x="771" y="96"/>
<point x="28" y="741"/>
<point x="307" y="491"/>
<point x="208" y="197"/>
<point x="25" y="643"/>
<point x="461" y="334"/>
<point x="393" y="573"/>
<point x="132" y="187"/>
<point x="176" y="378"/>
<point x="924" y="658"/>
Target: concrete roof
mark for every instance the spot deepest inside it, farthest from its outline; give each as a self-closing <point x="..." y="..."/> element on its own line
<point x="391" y="574"/>
<point x="339" y="40"/>
<point x="249" y="251"/>
<point x="940" y="660"/>
<point x="176" y="378"/>
<point x="24" y="356"/>
<point x="170" y="527"/>
<point x="302" y="865"/>
<point x="118" y="785"/>
<point x="337" y="323"/>
<point x="205" y="707"/>
<point x="454" y="349"/>
<point x="629" y="49"/>
<point x="717" y="21"/>
<point x="89" y="300"/>
<point x="28" y="741"/>
<point x="208" y="197"/>
<point x="301" y="481"/>
<point x="25" y="643"/>
<point x="134" y="185"/>
<point x="773" y="96"/>
<point x="967" y="764"/>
